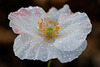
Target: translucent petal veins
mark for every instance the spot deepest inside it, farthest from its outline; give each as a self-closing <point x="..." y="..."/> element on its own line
<point x="48" y="29"/>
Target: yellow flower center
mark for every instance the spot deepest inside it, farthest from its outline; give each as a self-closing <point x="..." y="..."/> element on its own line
<point x="48" y="29"/>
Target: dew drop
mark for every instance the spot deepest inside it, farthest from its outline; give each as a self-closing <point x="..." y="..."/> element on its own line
<point x="44" y="57"/>
<point x="44" y="52"/>
<point x="51" y="45"/>
<point x="47" y="48"/>
<point x="64" y="56"/>
<point x="69" y="58"/>
<point x="18" y="39"/>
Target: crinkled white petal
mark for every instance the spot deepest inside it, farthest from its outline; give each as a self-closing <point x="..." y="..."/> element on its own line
<point x="74" y="29"/>
<point x="54" y="13"/>
<point x="25" y="20"/>
<point x="27" y="47"/>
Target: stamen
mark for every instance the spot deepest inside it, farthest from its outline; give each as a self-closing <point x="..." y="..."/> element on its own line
<point x="56" y="35"/>
<point x="49" y="21"/>
<point x="45" y="19"/>
<point x="57" y="23"/>
<point x="40" y="34"/>
<point x="41" y="19"/>
<point x="39" y="30"/>
<point x="44" y="29"/>
<point x="54" y="22"/>
<point x="57" y="32"/>
<point x="50" y="38"/>
<point x="48" y="30"/>
<point x="38" y="23"/>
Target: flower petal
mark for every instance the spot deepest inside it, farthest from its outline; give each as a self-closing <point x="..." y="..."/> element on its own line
<point x="54" y="13"/>
<point x="68" y="56"/>
<point x="26" y="47"/>
<point x="75" y="29"/>
<point x="25" y="19"/>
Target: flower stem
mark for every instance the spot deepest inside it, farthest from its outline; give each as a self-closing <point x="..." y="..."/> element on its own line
<point x="49" y="63"/>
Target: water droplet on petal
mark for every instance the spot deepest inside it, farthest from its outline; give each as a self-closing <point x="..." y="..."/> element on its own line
<point x="64" y="56"/>
<point x="69" y="59"/>
<point x="44" y="57"/>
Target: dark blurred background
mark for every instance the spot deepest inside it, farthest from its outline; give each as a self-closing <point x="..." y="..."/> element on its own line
<point x="89" y="58"/>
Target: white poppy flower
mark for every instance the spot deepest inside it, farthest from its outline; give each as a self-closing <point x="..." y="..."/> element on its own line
<point x="57" y="34"/>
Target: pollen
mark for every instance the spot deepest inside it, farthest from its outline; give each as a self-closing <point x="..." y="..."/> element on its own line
<point x="57" y="23"/>
<point x="40" y="34"/>
<point x="45" y="19"/>
<point x="48" y="29"/>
